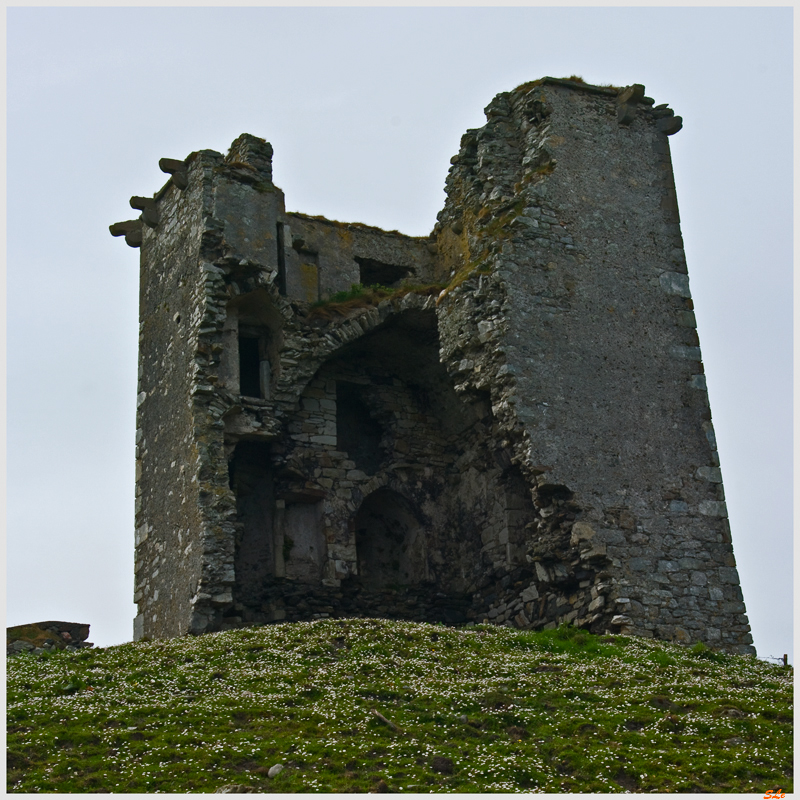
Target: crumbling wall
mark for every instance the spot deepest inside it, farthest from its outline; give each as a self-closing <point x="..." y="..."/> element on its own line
<point x="519" y="432"/>
<point x="565" y="201"/>
<point x="346" y="254"/>
<point x="168" y="554"/>
<point x="380" y="443"/>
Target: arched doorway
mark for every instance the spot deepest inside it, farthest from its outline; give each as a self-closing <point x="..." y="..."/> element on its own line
<point x="390" y="542"/>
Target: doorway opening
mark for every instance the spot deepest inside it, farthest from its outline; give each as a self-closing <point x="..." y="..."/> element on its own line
<point x="390" y="542"/>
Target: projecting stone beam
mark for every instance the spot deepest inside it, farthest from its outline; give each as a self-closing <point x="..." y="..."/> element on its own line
<point x="148" y="208"/>
<point x="131" y="229"/>
<point x="669" y="125"/>
<point x="627" y="100"/>
<point x="632" y="94"/>
<point x="121" y="228"/>
<point x="175" y="168"/>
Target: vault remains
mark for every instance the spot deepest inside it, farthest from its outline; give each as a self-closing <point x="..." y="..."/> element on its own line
<point x="515" y="427"/>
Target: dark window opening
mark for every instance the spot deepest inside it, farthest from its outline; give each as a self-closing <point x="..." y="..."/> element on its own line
<point x="358" y="434"/>
<point x="550" y="492"/>
<point x="252" y="483"/>
<point x="389" y="542"/>
<point x="249" y="367"/>
<point x="373" y="272"/>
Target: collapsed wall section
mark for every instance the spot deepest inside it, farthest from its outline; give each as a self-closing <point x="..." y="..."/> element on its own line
<point x="395" y="468"/>
<point x="565" y="202"/>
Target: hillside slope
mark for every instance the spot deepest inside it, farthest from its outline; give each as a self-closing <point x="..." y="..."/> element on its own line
<point x="379" y="705"/>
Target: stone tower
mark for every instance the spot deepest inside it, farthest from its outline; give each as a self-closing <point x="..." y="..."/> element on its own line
<point x="515" y="426"/>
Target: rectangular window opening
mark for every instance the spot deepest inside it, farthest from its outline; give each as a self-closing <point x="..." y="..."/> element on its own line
<point x="249" y="367"/>
<point x="372" y="272"/>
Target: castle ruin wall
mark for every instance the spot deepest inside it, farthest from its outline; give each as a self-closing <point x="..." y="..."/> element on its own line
<point x="516" y="428"/>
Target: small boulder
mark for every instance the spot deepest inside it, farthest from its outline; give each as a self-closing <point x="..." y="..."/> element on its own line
<point x="734" y="740"/>
<point x="442" y="765"/>
<point x="274" y="770"/>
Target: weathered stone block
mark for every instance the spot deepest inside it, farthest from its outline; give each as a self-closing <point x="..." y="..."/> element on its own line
<point x="529" y="594"/>
<point x="597" y="603"/>
<point x="712" y="474"/>
<point x="675" y="283"/>
<point x="699" y="578"/>
<point x="713" y="508"/>
<point x="581" y="532"/>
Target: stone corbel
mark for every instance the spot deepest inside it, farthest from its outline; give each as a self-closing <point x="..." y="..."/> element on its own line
<point x="177" y="169"/>
<point x="131" y="229"/>
<point x="147" y="205"/>
<point x="666" y="121"/>
<point x="627" y="101"/>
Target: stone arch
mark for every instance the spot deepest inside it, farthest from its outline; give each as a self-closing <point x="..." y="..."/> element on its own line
<point x="390" y="541"/>
<point x="341" y="334"/>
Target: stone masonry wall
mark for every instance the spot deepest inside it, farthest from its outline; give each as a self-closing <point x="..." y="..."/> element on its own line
<point x="344" y="253"/>
<point x="517" y="430"/>
<point x="593" y="335"/>
<point x="169" y="551"/>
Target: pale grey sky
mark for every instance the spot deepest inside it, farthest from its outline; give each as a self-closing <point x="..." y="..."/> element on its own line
<point x="364" y="107"/>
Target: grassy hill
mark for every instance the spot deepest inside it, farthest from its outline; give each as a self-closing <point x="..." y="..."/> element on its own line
<point x="376" y="705"/>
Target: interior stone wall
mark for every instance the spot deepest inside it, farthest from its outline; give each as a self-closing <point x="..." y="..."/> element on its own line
<point x="404" y="459"/>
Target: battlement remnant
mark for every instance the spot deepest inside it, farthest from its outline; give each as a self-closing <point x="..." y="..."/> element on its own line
<point x="512" y="424"/>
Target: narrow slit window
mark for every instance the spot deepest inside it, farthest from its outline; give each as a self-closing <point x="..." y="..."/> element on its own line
<point x="249" y="367"/>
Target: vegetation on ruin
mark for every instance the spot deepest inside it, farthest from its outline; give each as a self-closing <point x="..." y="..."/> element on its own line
<point x="491" y="227"/>
<point x="341" y="304"/>
<point x="346" y="227"/>
<point x="475" y="266"/>
<point x="359" y="705"/>
<point x="528" y="85"/>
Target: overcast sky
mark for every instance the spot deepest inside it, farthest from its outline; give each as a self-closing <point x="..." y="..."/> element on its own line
<point x="364" y="108"/>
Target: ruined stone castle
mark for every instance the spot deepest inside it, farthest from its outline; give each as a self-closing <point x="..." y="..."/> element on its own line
<point x="512" y="426"/>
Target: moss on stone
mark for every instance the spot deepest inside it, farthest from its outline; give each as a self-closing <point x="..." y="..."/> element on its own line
<point x="575" y="80"/>
<point x="343" y="303"/>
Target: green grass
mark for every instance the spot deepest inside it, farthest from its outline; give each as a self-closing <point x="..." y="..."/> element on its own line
<point x="480" y="709"/>
<point x="357" y="296"/>
<point x="355" y="291"/>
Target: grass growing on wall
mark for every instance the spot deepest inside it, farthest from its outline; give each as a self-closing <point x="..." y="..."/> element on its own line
<point x="480" y="709"/>
<point x="358" y="296"/>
